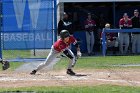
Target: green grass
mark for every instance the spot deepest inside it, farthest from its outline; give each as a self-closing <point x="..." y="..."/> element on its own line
<point x="14" y="65"/>
<point x="101" y="62"/>
<point x="76" y="89"/>
<point x="93" y="62"/>
<point x="16" y="53"/>
<point x="84" y="63"/>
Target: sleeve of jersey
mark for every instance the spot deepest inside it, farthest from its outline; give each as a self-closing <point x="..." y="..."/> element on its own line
<point x="94" y="23"/>
<point x="86" y="25"/>
<point x="121" y="25"/>
<point x="130" y="22"/>
<point x="73" y="40"/>
<point x="120" y="22"/>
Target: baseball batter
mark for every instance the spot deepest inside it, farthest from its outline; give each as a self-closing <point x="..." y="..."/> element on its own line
<point x="62" y="46"/>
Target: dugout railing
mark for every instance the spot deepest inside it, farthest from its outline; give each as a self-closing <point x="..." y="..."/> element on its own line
<point x="113" y="31"/>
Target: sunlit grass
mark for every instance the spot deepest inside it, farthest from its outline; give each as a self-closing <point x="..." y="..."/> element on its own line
<point x="75" y="89"/>
<point x="101" y="62"/>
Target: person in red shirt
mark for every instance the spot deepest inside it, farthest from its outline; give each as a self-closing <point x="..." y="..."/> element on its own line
<point x="90" y="25"/>
<point x="62" y="46"/>
<point x="124" y="23"/>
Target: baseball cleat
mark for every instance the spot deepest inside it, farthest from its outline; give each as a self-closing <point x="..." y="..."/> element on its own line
<point x="33" y="72"/>
<point x="70" y="72"/>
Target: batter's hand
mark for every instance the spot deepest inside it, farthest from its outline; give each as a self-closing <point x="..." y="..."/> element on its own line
<point x="79" y="54"/>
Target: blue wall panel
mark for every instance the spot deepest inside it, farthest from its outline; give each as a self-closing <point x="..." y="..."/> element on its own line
<point x="27" y="24"/>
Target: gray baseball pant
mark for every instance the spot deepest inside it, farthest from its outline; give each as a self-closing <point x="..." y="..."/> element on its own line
<point x="90" y="41"/>
<point x="52" y="55"/>
<point x="123" y="39"/>
<point x="136" y="43"/>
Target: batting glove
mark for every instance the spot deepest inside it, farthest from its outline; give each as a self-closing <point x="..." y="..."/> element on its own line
<point x="79" y="54"/>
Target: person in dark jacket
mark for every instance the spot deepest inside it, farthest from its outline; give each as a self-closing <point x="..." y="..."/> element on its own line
<point x="136" y="35"/>
<point x="65" y="24"/>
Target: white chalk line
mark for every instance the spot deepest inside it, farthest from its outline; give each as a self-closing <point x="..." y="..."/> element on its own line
<point x="119" y="81"/>
<point x="64" y="78"/>
<point x="43" y="79"/>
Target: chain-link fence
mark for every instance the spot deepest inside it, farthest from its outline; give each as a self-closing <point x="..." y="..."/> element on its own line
<point x="26" y="28"/>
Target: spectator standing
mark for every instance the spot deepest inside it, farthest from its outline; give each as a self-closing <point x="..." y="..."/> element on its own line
<point x="136" y="35"/>
<point x="65" y="24"/>
<point x="90" y="27"/>
<point x="124" y="23"/>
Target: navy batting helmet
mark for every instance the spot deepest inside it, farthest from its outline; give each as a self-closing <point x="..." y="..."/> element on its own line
<point x="64" y="34"/>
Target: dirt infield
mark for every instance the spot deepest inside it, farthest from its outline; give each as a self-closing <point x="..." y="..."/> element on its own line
<point x="126" y="77"/>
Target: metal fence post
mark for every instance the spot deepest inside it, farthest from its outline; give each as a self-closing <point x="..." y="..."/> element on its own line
<point x="0" y="28"/>
<point x="103" y="42"/>
<point x="55" y="20"/>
